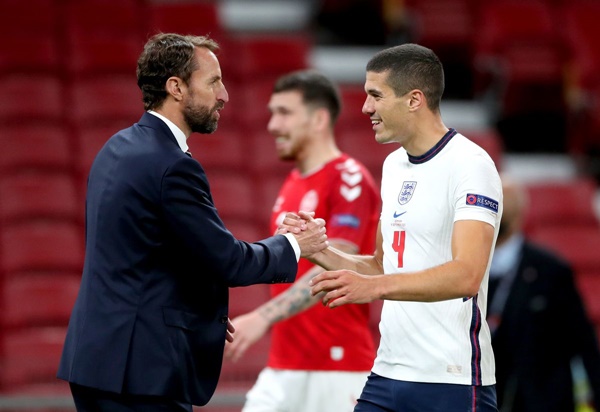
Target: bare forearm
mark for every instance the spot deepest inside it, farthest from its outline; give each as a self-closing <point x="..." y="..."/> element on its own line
<point x="294" y="300"/>
<point x="448" y="281"/>
<point x="335" y="259"/>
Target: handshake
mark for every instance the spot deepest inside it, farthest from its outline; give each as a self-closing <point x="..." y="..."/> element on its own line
<point x="308" y="231"/>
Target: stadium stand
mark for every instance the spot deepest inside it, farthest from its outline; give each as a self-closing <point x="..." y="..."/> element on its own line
<point x="35" y="146"/>
<point x="567" y="203"/>
<point x="36" y="195"/>
<point x="67" y="84"/>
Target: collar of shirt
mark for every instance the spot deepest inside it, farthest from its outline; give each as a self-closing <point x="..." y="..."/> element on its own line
<point x="506" y="256"/>
<point x="179" y="135"/>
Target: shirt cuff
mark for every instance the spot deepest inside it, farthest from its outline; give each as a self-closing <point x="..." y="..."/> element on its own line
<point x="294" y="243"/>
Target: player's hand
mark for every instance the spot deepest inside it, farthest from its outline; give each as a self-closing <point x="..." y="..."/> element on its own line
<point x="249" y="329"/>
<point x="313" y="239"/>
<point x="294" y="223"/>
<point x="344" y="286"/>
<point x="230" y="331"/>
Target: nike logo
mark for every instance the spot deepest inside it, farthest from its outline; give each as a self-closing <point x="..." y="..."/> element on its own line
<point x="398" y="214"/>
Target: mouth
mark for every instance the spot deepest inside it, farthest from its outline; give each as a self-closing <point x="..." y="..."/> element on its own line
<point x="375" y="123"/>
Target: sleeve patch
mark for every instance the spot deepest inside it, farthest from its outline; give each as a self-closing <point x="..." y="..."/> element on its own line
<point x="346" y="220"/>
<point x="482" y="201"/>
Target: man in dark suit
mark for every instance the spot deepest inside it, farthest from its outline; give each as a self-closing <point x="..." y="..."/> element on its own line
<point x="538" y="322"/>
<point x="148" y="329"/>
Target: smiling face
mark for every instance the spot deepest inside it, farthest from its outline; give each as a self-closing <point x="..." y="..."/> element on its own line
<point x="389" y="113"/>
<point x="290" y="123"/>
<point x="206" y="94"/>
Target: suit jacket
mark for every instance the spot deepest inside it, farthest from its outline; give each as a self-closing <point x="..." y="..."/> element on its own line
<point x="151" y="314"/>
<point x="543" y="327"/>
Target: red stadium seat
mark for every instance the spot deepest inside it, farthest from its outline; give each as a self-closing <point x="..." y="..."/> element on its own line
<point x="32" y="32"/>
<point x="34" y="300"/>
<point x="104" y="36"/>
<point x="197" y="18"/>
<point x="38" y="195"/>
<point x="41" y="246"/>
<point x="517" y="47"/>
<point x="37" y="16"/>
<point x="446" y="27"/>
<point x="263" y="158"/>
<point x="252" y="56"/>
<point x="577" y="244"/>
<point x="245" y="299"/>
<point x="561" y="204"/>
<point x="246" y="230"/>
<point x="27" y="98"/>
<point x="361" y="144"/>
<point x="351" y="116"/>
<point x="105" y="100"/>
<point x="233" y="194"/>
<point x="31" y="356"/>
<point x="225" y="150"/>
<point x="250" y="101"/>
<point x="35" y="146"/>
<point x="267" y="188"/>
<point x="16" y="55"/>
<point x="104" y="54"/>
<point x="582" y="33"/>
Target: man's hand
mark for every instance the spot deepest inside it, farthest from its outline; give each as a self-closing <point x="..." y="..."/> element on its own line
<point x="230" y="331"/>
<point x="345" y="286"/>
<point x="249" y="329"/>
<point x="312" y="239"/>
<point x="293" y="223"/>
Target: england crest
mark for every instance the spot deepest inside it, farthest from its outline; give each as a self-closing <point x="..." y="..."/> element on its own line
<point x="408" y="188"/>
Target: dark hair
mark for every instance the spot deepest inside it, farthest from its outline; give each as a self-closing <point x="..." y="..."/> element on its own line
<point x="316" y="89"/>
<point x="411" y="67"/>
<point x="166" y="55"/>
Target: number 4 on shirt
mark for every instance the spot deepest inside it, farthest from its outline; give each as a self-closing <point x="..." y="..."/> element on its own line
<point x="398" y="246"/>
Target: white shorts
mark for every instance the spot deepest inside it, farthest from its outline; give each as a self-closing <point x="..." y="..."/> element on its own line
<point x="279" y="390"/>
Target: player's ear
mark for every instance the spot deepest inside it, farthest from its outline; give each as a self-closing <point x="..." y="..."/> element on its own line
<point x="321" y="118"/>
<point x="416" y="99"/>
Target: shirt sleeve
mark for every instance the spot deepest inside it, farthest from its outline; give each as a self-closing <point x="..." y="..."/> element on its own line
<point x="478" y="191"/>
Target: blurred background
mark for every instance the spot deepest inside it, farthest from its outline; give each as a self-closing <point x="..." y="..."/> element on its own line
<point x="521" y="80"/>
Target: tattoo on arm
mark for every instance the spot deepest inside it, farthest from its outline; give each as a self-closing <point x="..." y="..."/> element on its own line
<point x="294" y="300"/>
<point x="297" y="298"/>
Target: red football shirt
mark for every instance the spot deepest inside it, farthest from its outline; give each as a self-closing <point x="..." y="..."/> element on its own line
<point x="344" y="194"/>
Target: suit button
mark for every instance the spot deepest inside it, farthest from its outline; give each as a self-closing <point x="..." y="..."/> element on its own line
<point x="224" y="319"/>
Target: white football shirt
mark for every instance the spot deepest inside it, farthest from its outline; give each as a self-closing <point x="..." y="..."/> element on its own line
<point x="448" y="341"/>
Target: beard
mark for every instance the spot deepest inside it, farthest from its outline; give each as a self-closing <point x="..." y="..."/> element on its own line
<point x="201" y="119"/>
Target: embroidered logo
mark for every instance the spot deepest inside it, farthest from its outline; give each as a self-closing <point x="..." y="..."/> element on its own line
<point x="407" y="191"/>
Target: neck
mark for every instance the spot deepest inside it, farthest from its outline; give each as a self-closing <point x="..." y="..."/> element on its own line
<point x="426" y="134"/>
<point x="317" y="154"/>
<point x="176" y="117"/>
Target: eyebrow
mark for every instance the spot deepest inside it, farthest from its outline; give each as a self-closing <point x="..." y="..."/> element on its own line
<point x="375" y="92"/>
<point x="215" y="78"/>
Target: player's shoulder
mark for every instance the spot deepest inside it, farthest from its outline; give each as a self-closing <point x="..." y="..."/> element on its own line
<point x="347" y="163"/>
